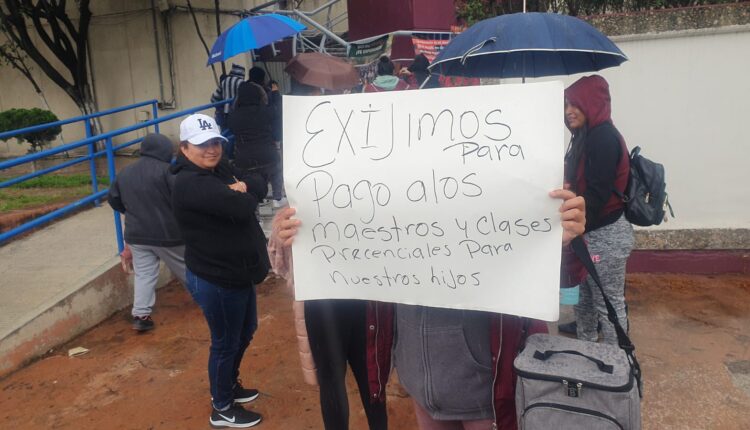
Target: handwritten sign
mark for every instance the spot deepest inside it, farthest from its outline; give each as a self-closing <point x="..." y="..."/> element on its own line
<point x="431" y="197"/>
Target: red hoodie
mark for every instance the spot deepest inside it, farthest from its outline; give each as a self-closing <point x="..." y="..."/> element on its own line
<point x="600" y="171"/>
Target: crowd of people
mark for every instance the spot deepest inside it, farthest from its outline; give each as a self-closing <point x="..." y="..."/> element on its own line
<point x="198" y="214"/>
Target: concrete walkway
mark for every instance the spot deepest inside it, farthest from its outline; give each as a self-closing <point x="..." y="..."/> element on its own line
<point x="40" y="277"/>
<point x="690" y="332"/>
<point x="46" y="266"/>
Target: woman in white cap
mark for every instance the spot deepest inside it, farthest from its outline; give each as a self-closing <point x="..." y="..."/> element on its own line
<point x="225" y="255"/>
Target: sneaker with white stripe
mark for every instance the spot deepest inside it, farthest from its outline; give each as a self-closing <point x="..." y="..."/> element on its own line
<point x="234" y="417"/>
<point x="244" y="395"/>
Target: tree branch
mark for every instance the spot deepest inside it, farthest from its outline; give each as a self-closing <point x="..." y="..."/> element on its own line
<point x="35" y="13"/>
<point x="15" y="27"/>
<point x="81" y="42"/>
<point x="65" y="43"/>
<point x="9" y="53"/>
<point x="62" y="40"/>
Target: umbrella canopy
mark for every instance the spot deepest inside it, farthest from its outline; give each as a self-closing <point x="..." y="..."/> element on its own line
<point x="527" y="45"/>
<point x="322" y="71"/>
<point x="252" y="33"/>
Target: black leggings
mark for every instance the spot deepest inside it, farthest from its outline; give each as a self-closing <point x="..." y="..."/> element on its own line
<point x="337" y="333"/>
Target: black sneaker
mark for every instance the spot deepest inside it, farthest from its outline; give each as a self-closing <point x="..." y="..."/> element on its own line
<point x="142" y="324"/>
<point x="235" y="417"/>
<point x="244" y="395"/>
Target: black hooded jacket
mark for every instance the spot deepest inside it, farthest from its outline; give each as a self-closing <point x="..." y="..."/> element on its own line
<point x="143" y="192"/>
<point x="224" y="243"/>
<point x="252" y="123"/>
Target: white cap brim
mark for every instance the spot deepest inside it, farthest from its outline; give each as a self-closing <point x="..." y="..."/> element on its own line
<point x="205" y="136"/>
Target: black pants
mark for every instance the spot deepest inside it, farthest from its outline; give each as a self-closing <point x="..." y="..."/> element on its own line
<point x="337" y="333"/>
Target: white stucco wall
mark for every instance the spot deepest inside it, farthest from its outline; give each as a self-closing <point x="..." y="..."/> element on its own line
<point x="686" y="102"/>
<point x="684" y="98"/>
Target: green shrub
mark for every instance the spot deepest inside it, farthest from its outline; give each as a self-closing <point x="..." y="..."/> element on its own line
<point x="14" y="119"/>
<point x="61" y="181"/>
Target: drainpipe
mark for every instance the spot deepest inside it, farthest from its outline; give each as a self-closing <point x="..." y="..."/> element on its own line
<point x="158" y="52"/>
<point x="218" y="33"/>
<point x="172" y="103"/>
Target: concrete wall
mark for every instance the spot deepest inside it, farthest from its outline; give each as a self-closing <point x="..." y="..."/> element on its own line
<point x="684" y="100"/>
<point x="124" y="62"/>
<point x="683" y="96"/>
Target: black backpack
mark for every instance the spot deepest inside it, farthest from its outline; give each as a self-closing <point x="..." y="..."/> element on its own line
<point x="645" y="197"/>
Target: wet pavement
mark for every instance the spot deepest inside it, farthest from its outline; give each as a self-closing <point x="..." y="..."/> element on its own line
<point x="692" y="335"/>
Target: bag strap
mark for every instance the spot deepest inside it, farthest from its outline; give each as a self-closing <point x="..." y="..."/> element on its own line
<point x="582" y="252"/>
<point x="621" y="195"/>
<point x="604" y="367"/>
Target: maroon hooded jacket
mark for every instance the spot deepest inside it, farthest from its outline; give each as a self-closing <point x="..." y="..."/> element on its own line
<point x="604" y="166"/>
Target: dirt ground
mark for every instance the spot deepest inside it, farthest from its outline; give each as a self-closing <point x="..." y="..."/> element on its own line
<point x="692" y="335"/>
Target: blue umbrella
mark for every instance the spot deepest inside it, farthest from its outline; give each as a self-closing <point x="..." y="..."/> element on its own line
<point x="524" y="45"/>
<point x="252" y="33"/>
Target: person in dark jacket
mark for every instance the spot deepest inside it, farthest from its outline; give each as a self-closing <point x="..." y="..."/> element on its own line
<point x="142" y="192"/>
<point x="464" y="379"/>
<point x="597" y="166"/>
<point x="257" y="76"/>
<point x="253" y="121"/>
<point x="339" y="333"/>
<point x="417" y="73"/>
<point x="214" y="205"/>
<point x="227" y="90"/>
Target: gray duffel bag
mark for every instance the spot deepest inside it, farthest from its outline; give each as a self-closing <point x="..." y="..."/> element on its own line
<point x="569" y="384"/>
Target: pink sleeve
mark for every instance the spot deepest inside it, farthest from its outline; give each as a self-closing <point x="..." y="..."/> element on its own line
<point x="281" y="256"/>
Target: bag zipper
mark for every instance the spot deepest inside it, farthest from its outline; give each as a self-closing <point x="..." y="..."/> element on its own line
<point x="621" y="389"/>
<point x="494" y="377"/>
<point x="574" y="409"/>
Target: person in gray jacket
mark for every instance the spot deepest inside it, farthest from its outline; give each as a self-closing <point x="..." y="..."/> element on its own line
<point x="142" y="192"/>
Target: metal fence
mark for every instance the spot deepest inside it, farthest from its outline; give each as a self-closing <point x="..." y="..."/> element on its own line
<point x="90" y="141"/>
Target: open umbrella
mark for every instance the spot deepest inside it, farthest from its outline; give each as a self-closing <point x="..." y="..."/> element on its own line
<point x="322" y="71"/>
<point x="252" y="33"/>
<point x="524" y="45"/>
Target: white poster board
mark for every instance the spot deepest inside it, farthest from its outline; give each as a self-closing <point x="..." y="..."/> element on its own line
<point x="431" y="197"/>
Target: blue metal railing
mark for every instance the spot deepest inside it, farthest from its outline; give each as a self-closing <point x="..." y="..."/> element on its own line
<point x="90" y="141"/>
<point x="89" y="133"/>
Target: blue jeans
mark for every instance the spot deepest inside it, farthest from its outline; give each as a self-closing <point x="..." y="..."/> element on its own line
<point x="232" y="318"/>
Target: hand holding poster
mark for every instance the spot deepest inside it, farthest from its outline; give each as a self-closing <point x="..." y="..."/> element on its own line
<point x="433" y="197"/>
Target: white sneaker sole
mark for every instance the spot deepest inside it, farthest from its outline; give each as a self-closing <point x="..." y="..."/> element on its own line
<point x="224" y="424"/>
<point x="246" y="399"/>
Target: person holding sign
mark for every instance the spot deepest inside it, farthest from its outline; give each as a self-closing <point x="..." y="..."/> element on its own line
<point x="597" y="165"/>
<point x="214" y="205"/>
<point x="337" y="333"/>
<point x="450" y="388"/>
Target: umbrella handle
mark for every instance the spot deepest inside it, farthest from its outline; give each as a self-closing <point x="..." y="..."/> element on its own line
<point x="475" y="49"/>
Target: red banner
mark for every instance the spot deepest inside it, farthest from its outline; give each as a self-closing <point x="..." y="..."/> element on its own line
<point x="429" y="44"/>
